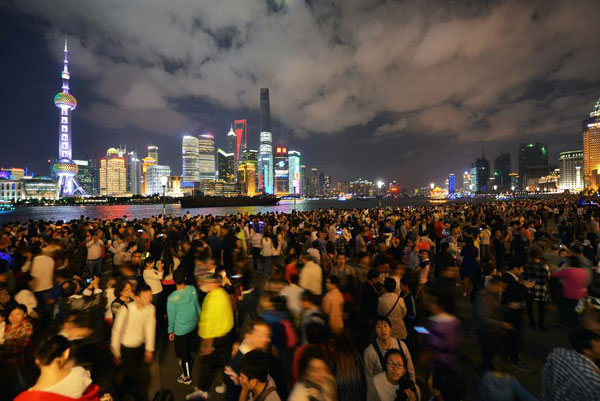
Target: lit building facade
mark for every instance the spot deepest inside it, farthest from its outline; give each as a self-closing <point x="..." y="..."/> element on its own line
<point x="295" y="175"/>
<point x="591" y="147"/>
<point x="190" y="160"/>
<point x="451" y="183"/>
<point x="361" y="187"/>
<point x="265" y="151"/>
<point x="64" y="168"/>
<point x="225" y="166"/>
<point x="87" y="176"/>
<point x="313" y="183"/>
<point x="231" y="148"/>
<point x="571" y="174"/>
<point x="206" y="156"/>
<point x="246" y="177"/>
<point x="153" y="152"/>
<point x="502" y="170"/>
<point x="282" y="171"/>
<point x="533" y="161"/>
<point x="134" y="173"/>
<point x="466" y="182"/>
<point x="153" y="175"/>
<point x="146" y="163"/>
<point x="113" y="180"/>
<point x="480" y="175"/>
<point x="303" y="180"/>
<point x="241" y="134"/>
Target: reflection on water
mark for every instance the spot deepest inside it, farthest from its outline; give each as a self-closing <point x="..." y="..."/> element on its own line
<point x="66" y="213"/>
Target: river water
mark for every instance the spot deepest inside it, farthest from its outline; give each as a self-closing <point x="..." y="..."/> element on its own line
<point x="66" y="213"/>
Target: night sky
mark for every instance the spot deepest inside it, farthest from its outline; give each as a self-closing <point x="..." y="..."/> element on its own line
<point x="404" y="90"/>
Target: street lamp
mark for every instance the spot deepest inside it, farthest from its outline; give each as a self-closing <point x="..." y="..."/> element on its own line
<point x="495" y="188"/>
<point x="379" y="186"/>
<point x="432" y="185"/>
<point x="163" y="181"/>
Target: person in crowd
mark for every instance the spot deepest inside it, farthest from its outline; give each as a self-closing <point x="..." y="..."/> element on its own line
<point x="394" y="383"/>
<point x="254" y="379"/>
<point x="513" y="301"/>
<point x="214" y="329"/>
<point x="374" y="354"/>
<point x="574" y="280"/>
<point x="311" y="275"/>
<point x="444" y="339"/>
<point x="369" y="296"/>
<point x="316" y="381"/>
<point x="293" y="297"/>
<point x="446" y="385"/>
<point x="59" y="380"/>
<point x="94" y="245"/>
<point x="500" y="386"/>
<point x="123" y="296"/>
<point x="17" y="334"/>
<point x="183" y="311"/>
<point x="411" y="317"/>
<point x="333" y="305"/>
<point x="133" y="342"/>
<point x="256" y="335"/>
<point x="573" y="374"/>
<point x="153" y="274"/>
<point x="470" y="264"/>
<point x="311" y="313"/>
<point x="490" y="326"/>
<point x="538" y="273"/>
<point x="391" y="305"/>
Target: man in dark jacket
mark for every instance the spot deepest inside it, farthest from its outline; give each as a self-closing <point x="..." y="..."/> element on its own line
<point x="488" y="321"/>
<point x="513" y="302"/>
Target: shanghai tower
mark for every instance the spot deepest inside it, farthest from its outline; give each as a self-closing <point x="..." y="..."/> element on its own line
<point x="265" y="154"/>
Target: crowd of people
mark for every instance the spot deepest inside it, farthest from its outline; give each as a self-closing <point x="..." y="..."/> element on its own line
<point x="325" y="305"/>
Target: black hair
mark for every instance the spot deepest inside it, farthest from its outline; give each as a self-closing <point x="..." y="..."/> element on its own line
<point x="50" y="348"/>
<point x="514" y="263"/>
<point x="389" y="284"/>
<point x="142" y="287"/>
<point x="120" y="286"/>
<point x="255" y="365"/>
<point x="449" y="383"/>
<point x="371" y="274"/>
<point x="395" y="351"/>
<point x="19" y="306"/>
<point x="335" y="280"/>
<point x="294" y="279"/>
<point x="179" y="276"/>
<point x="444" y="246"/>
<point x="581" y="339"/>
<point x="80" y="319"/>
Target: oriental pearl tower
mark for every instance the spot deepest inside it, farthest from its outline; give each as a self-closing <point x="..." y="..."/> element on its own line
<point x="64" y="168"/>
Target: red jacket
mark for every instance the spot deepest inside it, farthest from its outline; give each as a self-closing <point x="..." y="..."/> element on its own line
<point x="90" y="394"/>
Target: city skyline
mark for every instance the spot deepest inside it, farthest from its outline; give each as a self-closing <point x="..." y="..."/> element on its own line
<point x="433" y="138"/>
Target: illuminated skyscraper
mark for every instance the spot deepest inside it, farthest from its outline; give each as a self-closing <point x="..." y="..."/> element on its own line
<point x="294" y="173"/>
<point x="206" y="150"/>
<point x="282" y="171"/>
<point x="134" y="173"/>
<point x="502" y="170"/>
<point x="232" y="146"/>
<point x="303" y="180"/>
<point x="571" y="174"/>
<point x="533" y="162"/>
<point x="225" y="166"/>
<point x="153" y="175"/>
<point x="153" y="152"/>
<point x="113" y="176"/>
<point x="265" y="155"/>
<point x="466" y="182"/>
<point x="64" y="168"/>
<point x="451" y="183"/>
<point x="190" y="157"/>
<point x="313" y="183"/>
<point x="246" y="172"/>
<point x="591" y="147"/>
<point x="480" y="174"/>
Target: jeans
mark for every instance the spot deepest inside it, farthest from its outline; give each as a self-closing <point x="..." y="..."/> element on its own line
<point x="488" y="346"/>
<point x="93" y="267"/>
<point x="514" y="338"/>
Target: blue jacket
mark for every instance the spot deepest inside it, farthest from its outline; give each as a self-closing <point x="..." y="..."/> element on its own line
<point x="183" y="310"/>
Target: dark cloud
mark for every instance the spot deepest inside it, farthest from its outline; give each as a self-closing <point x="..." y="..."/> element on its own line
<point x="453" y="73"/>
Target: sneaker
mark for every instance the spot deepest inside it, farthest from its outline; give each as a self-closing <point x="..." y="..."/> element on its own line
<point x="197" y="394"/>
<point x="184" y="380"/>
<point x="221" y="389"/>
<point x="521" y="367"/>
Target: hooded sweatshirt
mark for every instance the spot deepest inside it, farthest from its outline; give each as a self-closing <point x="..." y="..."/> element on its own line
<point x="183" y="310"/>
